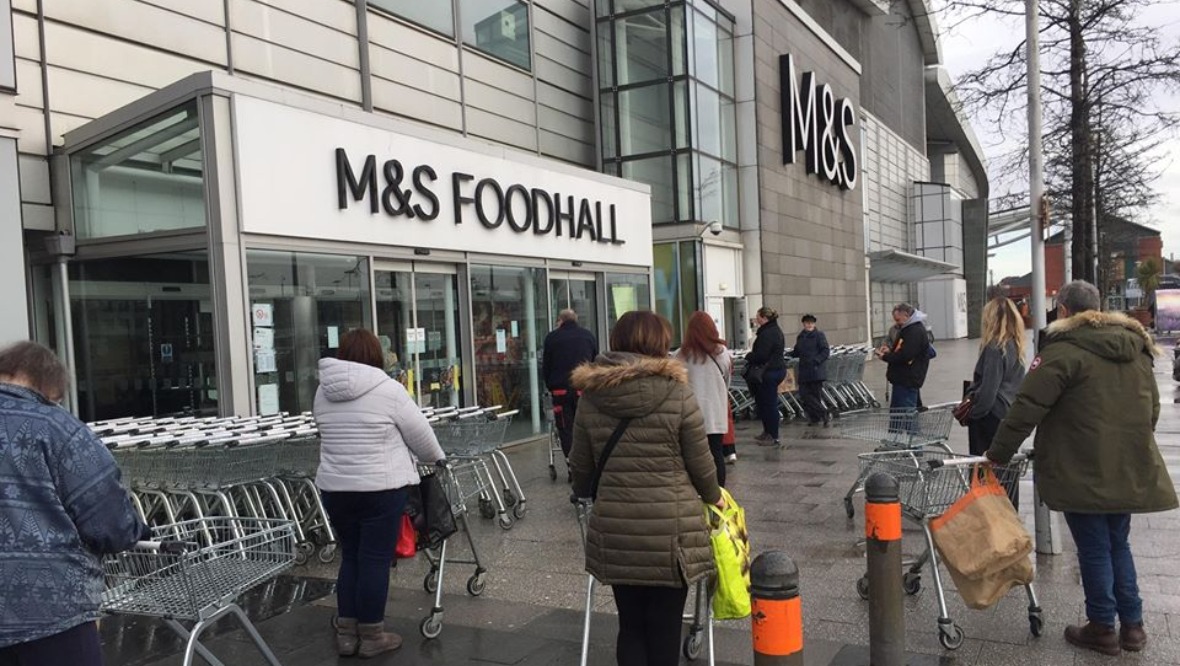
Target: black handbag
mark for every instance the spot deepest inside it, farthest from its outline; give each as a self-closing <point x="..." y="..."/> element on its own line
<point x="754" y="374"/>
<point x="431" y="512"/>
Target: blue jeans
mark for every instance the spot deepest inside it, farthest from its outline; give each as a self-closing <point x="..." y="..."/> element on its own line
<point x="1108" y="570"/>
<point x="367" y="526"/>
<point x="766" y="397"/>
<point x="903" y="400"/>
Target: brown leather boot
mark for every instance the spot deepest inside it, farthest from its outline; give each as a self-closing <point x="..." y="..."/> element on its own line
<point x="1093" y="636"/>
<point x="1132" y="637"/>
<point x="375" y="640"/>
<point x="347" y="640"/>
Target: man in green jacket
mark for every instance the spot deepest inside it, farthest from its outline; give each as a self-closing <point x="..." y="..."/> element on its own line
<point x="1092" y="397"/>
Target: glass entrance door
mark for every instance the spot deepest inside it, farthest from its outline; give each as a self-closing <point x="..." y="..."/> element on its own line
<point x="577" y="292"/>
<point x="417" y="323"/>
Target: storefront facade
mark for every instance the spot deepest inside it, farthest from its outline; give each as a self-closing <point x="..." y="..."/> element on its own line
<point x="218" y="260"/>
<point x="452" y="173"/>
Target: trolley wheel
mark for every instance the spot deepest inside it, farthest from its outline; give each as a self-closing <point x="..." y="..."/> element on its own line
<point x="327" y="554"/>
<point x="303" y="552"/>
<point x="692" y="644"/>
<point x="519" y="510"/>
<point x="912" y="583"/>
<point x="510" y="498"/>
<point x="1036" y="625"/>
<point x="475" y="585"/>
<point x="431" y="626"/>
<point x="849" y="509"/>
<point x="552" y="473"/>
<point x="876" y="404"/>
<point x="486" y="508"/>
<point x="862" y="587"/>
<point x="430" y="582"/>
<point x="506" y="522"/>
<point x="952" y="638"/>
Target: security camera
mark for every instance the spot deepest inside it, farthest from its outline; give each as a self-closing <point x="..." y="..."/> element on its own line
<point x="715" y="228"/>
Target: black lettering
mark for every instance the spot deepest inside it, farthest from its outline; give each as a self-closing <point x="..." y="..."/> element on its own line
<point x="539" y="196"/>
<point x="394" y="174"/>
<point x="849" y="171"/>
<point x="427" y="193"/>
<point x="457" y="179"/>
<point x="479" y="199"/>
<point x="614" y="235"/>
<point x="586" y="220"/>
<point x="347" y="183"/>
<point x="598" y="223"/>
<point x="568" y="215"/>
<point x="513" y="222"/>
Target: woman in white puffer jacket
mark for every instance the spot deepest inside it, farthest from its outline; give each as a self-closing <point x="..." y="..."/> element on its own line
<point x="369" y="426"/>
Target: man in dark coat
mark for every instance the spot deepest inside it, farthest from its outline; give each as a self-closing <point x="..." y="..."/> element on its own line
<point x="908" y="357"/>
<point x="565" y="348"/>
<point x="1092" y="397"/>
<point x="812" y="350"/>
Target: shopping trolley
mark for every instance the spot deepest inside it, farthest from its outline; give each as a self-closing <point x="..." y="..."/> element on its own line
<point x="897" y="430"/>
<point x="554" y="438"/>
<point x="471" y="438"/>
<point x="177" y="579"/>
<point x="431" y="625"/>
<point x="930" y="481"/>
<point x="700" y="620"/>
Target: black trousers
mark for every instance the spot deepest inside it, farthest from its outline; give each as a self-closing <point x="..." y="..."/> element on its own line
<point x="79" y="646"/>
<point x="980" y="433"/>
<point x="565" y="408"/>
<point x="718" y="452"/>
<point x="811" y="395"/>
<point x="650" y="621"/>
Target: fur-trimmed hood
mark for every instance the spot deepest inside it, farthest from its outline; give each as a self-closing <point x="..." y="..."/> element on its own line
<point x="628" y="385"/>
<point x="1111" y="335"/>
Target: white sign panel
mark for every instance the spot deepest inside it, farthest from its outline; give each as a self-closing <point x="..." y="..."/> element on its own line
<point x="309" y="175"/>
<point x="263" y="314"/>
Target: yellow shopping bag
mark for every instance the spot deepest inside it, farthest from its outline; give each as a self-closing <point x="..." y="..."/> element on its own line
<point x="731" y="555"/>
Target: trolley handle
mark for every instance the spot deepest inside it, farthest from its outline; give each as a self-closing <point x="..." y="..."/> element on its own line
<point x="976" y="460"/>
<point x="167" y="547"/>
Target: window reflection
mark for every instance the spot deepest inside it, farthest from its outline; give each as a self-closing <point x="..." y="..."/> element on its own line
<point x="497" y="27"/>
<point x="437" y="14"/>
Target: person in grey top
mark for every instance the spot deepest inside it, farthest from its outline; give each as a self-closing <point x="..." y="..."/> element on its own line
<point x="998" y="372"/>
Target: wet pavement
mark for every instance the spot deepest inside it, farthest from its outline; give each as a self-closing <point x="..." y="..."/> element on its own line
<point x="531" y="610"/>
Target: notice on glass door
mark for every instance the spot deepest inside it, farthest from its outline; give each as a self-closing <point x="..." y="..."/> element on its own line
<point x="515" y="329"/>
<point x="263" y="314"/>
<point x="264" y="338"/>
<point x="415" y="341"/>
<point x="333" y="337"/>
<point x="264" y="361"/>
<point x="268" y="399"/>
<point x="501" y="341"/>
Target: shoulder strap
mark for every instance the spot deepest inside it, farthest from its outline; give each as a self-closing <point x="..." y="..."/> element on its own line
<point x="610" y="447"/>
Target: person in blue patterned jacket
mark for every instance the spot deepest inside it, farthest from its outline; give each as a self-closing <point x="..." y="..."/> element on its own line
<point x="61" y="509"/>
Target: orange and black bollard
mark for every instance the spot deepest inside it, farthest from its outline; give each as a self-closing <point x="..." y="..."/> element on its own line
<point x="883" y="543"/>
<point x="777" y="611"/>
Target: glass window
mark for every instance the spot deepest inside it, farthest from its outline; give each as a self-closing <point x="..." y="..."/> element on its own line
<point x="497" y="27"/>
<point x="606" y="55"/>
<point x="509" y="320"/>
<point x="665" y="273"/>
<point x="632" y="5"/>
<point x="707" y="107"/>
<point x="688" y="285"/>
<point x="680" y="89"/>
<point x="705" y="47"/>
<point x="644" y="123"/>
<point x="149" y="178"/>
<point x="143" y="336"/>
<point x="641" y="47"/>
<point x="624" y="293"/>
<point x="728" y="128"/>
<point x="725" y="60"/>
<point x="312" y="299"/>
<point x="436" y="14"/>
<point x="684" y="212"/>
<point x="608" y="125"/>
<point x="656" y="172"/>
<point x="679" y="41"/>
<point x="709" y="205"/>
<point x="729" y="196"/>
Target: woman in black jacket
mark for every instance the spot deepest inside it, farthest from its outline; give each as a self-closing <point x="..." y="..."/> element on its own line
<point x="767" y="354"/>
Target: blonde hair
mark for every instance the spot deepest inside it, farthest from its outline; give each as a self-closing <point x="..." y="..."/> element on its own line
<point x="1002" y="323"/>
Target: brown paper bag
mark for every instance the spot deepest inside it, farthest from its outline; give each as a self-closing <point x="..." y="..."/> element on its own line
<point x="981" y="534"/>
<point x="984" y="592"/>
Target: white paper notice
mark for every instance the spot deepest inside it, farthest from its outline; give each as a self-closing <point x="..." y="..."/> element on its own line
<point x="264" y="361"/>
<point x="263" y="314"/>
<point x="333" y="337"/>
<point x="515" y="329"/>
<point x="264" y="338"/>
<point x="501" y="341"/>
<point x="268" y="399"/>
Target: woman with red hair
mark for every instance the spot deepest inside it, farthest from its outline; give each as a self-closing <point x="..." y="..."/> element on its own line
<point x="710" y="365"/>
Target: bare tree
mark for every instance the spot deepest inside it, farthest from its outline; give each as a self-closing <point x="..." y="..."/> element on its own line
<point x="1101" y="75"/>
